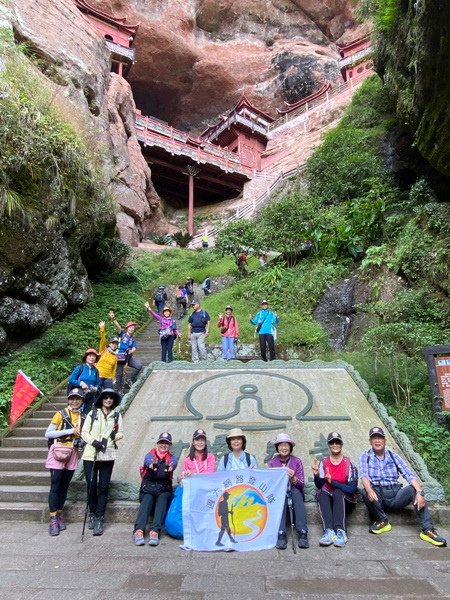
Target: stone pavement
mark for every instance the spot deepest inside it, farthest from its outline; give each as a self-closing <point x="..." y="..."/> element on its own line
<point x="395" y="565"/>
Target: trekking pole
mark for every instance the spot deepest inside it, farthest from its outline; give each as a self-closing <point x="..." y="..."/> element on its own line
<point x="91" y="479"/>
<point x="291" y="515"/>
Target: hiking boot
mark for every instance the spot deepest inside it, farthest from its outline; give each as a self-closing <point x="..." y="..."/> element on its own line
<point x="139" y="537"/>
<point x="154" y="538"/>
<point x="98" y="526"/>
<point x="281" y="541"/>
<point x="53" y="528"/>
<point x="431" y="536"/>
<point x="380" y="527"/>
<point x="341" y="538"/>
<point x="219" y="544"/>
<point x="91" y="521"/>
<point x="328" y="538"/>
<point x="61" y="523"/>
<point x="303" y="540"/>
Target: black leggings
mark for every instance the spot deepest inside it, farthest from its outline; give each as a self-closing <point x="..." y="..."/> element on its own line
<point x="333" y="508"/>
<point x="59" y="486"/>
<point x="97" y="489"/>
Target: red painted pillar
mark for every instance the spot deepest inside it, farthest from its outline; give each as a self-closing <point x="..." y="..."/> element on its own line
<point x="191" y="206"/>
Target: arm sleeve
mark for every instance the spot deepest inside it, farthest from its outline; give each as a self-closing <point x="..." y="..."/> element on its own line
<point x="300" y="474"/>
<point x="403" y="468"/>
<point x="253" y="462"/>
<point x="363" y="467"/>
<point x="254" y="321"/>
<point x="318" y="481"/>
<point x="86" y="431"/>
<point x="119" y="433"/>
<point x="53" y="432"/>
<point x="74" y="377"/>
<point x="149" y="459"/>
<point x="102" y="339"/>
<point x="221" y="465"/>
<point x="347" y="488"/>
<point x="275" y="319"/>
<point x="210" y="463"/>
<point x="155" y="315"/>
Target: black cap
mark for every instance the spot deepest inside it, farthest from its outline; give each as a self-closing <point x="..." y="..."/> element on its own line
<point x="334" y="435"/>
<point x="164" y="437"/>
<point x="376" y="431"/>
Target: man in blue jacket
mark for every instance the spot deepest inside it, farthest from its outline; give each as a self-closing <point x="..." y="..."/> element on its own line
<point x="265" y="321"/>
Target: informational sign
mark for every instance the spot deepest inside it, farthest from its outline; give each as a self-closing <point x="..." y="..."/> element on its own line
<point x="442" y="365"/>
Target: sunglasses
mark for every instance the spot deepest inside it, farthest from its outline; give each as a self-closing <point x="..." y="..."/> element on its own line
<point x="108" y="397"/>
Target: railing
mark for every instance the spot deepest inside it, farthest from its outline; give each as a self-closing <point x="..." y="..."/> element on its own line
<point x="155" y="133"/>
<point x="236" y="118"/>
<point x="244" y="212"/>
<point x="121" y="50"/>
<point x="324" y="99"/>
<point x="355" y="57"/>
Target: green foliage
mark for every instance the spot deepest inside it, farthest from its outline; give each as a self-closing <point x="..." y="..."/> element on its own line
<point x="382" y="13"/>
<point x="182" y="238"/>
<point x="237" y="237"/>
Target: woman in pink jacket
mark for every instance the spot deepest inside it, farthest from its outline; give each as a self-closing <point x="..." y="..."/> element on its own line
<point x="199" y="460"/>
<point x="229" y="330"/>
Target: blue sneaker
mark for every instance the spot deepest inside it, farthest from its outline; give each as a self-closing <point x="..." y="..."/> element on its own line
<point x="341" y="538"/>
<point x="328" y="538"/>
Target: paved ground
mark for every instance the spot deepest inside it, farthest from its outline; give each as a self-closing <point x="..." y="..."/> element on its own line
<point x="395" y="565"/>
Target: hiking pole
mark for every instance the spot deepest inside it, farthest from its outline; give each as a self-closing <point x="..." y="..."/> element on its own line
<point x="291" y="515"/>
<point x="91" y="479"/>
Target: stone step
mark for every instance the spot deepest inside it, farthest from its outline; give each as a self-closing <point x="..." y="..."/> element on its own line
<point x="9" y="494"/>
<point x="23" y="454"/>
<point x="37" y="421"/>
<point x="24" y="511"/>
<point x="29" y="442"/>
<point x="19" y="464"/>
<point x="46" y="413"/>
<point x="28" y="432"/>
<point x="29" y="478"/>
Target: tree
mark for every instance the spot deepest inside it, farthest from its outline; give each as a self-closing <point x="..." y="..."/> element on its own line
<point x="239" y="237"/>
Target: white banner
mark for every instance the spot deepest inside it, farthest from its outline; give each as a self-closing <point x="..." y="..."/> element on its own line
<point x="233" y="510"/>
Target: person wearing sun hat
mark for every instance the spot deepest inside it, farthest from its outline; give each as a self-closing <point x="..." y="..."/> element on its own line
<point x="237" y="458"/>
<point x="101" y="431"/>
<point x="198" y="460"/>
<point x="64" y="430"/>
<point x="336" y="480"/>
<point x="126" y="350"/>
<point x="380" y="470"/>
<point x="284" y="446"/>
<point x="156" y="489"/>
<point x="265" y="321"/>
<point x="87" y="377"/>
<point x="168" y="331"/>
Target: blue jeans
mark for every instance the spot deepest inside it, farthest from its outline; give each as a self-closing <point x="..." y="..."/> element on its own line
<point x="228" y="348"/>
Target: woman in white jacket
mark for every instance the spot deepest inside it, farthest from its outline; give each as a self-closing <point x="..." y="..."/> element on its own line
<point x="101" y="430"/>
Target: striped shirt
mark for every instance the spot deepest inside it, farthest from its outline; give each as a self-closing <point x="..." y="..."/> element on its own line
<point x="384" y="471"/>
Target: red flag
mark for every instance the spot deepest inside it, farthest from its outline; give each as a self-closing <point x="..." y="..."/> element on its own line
<point x="24" y="392"/>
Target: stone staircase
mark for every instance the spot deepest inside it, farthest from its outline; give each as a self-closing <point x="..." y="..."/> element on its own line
<point x="24" y="481"/>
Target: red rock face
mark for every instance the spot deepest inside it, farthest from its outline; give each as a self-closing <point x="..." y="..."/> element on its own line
<point x="195" y="59"/>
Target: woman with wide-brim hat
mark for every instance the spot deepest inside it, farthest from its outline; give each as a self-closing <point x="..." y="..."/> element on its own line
<point x="168" y="331"/>
<point x="156" y="489"/>
<point x="336" y="480"/>
<point x="237" y="458"/>
<point x="284" y="446"/>
<point x="101" y="431"/>
<point x="86" y="377"/>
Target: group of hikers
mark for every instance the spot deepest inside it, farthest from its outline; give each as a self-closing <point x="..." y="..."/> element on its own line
<point x="335" y="476"/>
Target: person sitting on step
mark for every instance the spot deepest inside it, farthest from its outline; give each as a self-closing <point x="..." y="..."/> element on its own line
<point x="336" y="480"/>
<point x="284" y="445"/>
<point x="156" y="489"/>
<point x="380" y="470"/>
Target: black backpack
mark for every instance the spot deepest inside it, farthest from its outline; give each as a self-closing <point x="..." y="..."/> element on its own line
<point x="160" y="296"/>
<point x="67" y="424"/>
<point x="227" y="456"/>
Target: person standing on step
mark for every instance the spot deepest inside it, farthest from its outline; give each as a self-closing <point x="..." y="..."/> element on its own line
<point x="198" y="324"/>
<point x="126" y="350"/>
<point x="206" y="285"/>
<point x="265" y="321"/>
<point x="229" y="331"/>
<point x="87" y="377"/>
<point x="189" y="287"/>
<point x="168" y="331"/>
<point x="101" y="431"/>
<point x="160" y="298"/>
<point x="237" y="458"/>
<point x="181" y="298"/>
<point x="284" y="446"/>
<point x="107" y="363"/>
<point x="380" y="470"/>
<point x="156" y="489"/>
<point x="336" y="479"/>
<point x="63" y="435"/>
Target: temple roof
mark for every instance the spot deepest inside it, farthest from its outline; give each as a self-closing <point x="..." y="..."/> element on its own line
<point x="360" y="42"/>
<point x="119" y="22"/>
<point x="290" y="107"/>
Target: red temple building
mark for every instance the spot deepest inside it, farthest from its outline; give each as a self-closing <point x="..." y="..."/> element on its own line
<point x="243" y="131"/>
<point x="118" y="35"/>
<point x="356" y="58"/>
<point x="304" y="101"/>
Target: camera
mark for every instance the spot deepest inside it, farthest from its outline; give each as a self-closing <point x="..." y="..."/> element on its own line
<point x="79" y="443"/>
